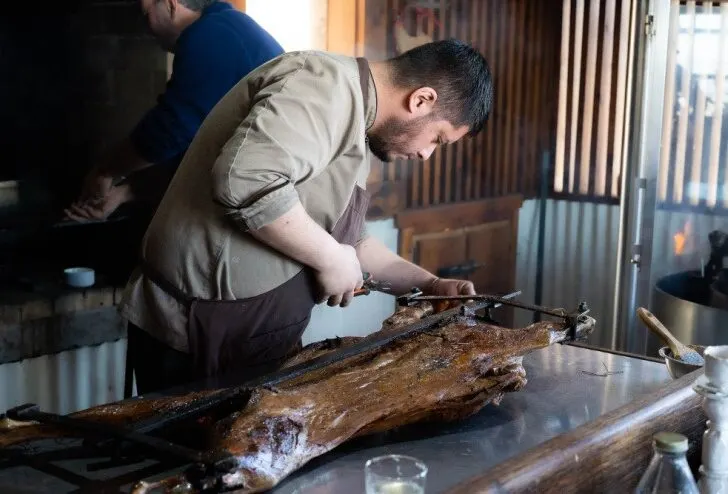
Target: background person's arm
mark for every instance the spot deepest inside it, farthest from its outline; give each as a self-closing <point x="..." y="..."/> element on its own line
<point x="204" y="69"/>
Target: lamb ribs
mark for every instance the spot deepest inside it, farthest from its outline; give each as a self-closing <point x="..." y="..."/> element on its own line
<point x="445" y="374"/>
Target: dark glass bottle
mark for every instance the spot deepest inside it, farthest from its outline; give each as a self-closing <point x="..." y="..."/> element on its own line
<point x="668" y="471"/>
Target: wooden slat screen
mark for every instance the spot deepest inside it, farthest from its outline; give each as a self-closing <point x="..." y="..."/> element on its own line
<point x="521" y="40"/>
<point x="693" y="169"/>
<point x="593" y="97"/>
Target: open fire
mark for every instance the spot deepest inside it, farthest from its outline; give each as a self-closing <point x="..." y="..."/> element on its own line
<point x="681" y="239"/>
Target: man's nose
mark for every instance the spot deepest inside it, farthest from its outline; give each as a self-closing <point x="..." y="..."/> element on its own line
<point x="427" y="152"/>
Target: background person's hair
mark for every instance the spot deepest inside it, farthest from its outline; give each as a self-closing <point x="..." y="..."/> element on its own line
<point x="458" y="72"/>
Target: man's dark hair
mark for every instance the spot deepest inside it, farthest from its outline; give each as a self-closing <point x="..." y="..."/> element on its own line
<point x="197" y="5"/>
<point x="458" y="72"/>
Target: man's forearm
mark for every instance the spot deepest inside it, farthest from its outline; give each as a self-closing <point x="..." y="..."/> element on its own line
<point x="123" y="161"/>
<point x="385" y="265"/>
<point x="296" y="235"/>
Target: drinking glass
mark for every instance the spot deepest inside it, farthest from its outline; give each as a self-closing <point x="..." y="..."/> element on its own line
<point x="395" y="474"/>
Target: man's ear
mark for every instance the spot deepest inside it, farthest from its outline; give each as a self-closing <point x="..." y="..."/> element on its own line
<point x="171" y="7"/>
<point x="422" y="101"/>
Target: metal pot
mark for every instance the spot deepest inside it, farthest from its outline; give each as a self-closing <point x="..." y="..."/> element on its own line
<point x="719" y="291"/>
<point x="684" y="308"/>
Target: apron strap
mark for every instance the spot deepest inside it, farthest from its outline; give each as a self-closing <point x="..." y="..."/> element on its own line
<point x="159" y="280"/>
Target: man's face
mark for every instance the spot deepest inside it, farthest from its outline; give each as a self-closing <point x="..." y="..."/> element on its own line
<point x="158" y="14"/>
<point x="414" y="138"/>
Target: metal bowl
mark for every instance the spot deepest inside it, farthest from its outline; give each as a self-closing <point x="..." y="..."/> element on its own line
<point x="678" y="368"/>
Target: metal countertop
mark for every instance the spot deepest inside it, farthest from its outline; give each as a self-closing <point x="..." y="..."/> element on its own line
<point x="558" y="397"/>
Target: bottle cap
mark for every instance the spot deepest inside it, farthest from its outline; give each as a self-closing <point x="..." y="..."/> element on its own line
<point x="671" y="442"/>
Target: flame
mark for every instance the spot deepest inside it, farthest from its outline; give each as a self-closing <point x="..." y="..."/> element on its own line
<point x="681" y="239"/>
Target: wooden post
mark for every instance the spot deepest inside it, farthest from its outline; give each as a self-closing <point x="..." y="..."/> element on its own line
<point x="238" y="4"/>
<point x="345" y="27"/>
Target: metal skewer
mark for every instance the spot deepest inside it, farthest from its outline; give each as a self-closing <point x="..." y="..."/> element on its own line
<point x="417" y="296"/>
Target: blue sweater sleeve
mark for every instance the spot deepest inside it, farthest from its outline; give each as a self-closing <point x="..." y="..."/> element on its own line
<point x="209" y="60"/>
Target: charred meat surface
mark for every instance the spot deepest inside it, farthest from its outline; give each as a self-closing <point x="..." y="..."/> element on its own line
<point x="124" y="413"/>
<point x="447" y="373"/>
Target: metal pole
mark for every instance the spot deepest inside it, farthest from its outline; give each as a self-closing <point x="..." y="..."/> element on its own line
<point x="630" y="147"/>
<point x="636" y="289"/>
<point x="545" y="164"/>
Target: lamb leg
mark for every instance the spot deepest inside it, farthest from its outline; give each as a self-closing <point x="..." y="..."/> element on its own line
<point x="447" y="374"/>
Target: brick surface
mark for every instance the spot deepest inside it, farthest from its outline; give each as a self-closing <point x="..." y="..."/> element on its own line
<point x="36" y="309"/>
<point x="10" y="314"/>
<point x="69" y="303"/>
<point x="59" y="333"/>
<point x="124" y="18"/>
<point x="141" y="54"/>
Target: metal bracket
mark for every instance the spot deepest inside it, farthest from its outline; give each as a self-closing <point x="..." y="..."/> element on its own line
<point x="650" y="30"/>
<point x="572" y="319"/>
<point x="636" y="258"/>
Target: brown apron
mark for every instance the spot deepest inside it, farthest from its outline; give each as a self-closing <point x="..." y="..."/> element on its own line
<point x="255" y="335"/>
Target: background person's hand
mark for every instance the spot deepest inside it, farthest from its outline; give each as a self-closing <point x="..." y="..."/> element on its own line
<point x="341" y="276"/>
<point x="99" y="209"/>
<point x="96" y="186"/>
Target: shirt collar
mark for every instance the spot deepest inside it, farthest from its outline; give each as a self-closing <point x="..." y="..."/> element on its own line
<point x="370" y="106"/>
<point x="218" y="6"/>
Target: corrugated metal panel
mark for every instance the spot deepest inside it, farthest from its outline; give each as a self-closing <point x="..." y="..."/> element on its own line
<point x="579" y="259"/>
<point x="581" y="249"/>
<point x="66" y="381"/>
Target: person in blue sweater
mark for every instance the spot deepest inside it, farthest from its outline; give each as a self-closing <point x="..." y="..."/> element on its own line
<point x="214" y="47"/>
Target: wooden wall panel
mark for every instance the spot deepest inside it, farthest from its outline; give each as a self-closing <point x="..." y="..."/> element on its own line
<point x="521" y="40"/>
<point x="592" y="108"/>
<point x="345" y="27"/>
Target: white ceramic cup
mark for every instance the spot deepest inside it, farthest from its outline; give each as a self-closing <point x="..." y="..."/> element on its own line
<point x="716" y="366"/>
<point x="79" y="277"/>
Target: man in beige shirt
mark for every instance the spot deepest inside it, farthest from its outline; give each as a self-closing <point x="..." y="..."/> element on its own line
<point x="265" y="215"/>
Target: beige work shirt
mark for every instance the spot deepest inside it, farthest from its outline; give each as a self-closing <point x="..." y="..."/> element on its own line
<point x="292" y="130"/>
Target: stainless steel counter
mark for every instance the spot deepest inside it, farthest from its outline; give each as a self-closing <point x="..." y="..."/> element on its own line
<point x="559" y="397"/>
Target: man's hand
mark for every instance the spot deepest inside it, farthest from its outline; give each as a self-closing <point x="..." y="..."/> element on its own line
<point x="340" y="277"/>
<point x="99" y="209"/>
<point x="96" y="186"/>
<point x="296" y="235"/>
<point x="447" y="287"/>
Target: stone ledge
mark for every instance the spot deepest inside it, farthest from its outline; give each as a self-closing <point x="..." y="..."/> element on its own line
<point x="59" y="332"/>
<point x="18" y="307"/>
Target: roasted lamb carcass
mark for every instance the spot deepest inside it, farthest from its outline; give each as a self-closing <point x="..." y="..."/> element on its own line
<point x="447" y="373"/>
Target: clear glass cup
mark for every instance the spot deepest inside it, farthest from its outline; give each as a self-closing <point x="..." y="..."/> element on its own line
<point x="395" y="474"/>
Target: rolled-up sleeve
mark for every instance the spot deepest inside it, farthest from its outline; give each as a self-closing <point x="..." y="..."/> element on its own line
<point x="293" y="130"/>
